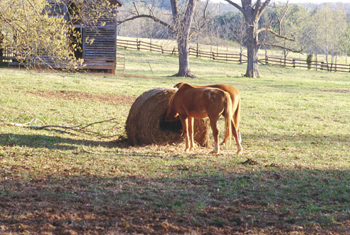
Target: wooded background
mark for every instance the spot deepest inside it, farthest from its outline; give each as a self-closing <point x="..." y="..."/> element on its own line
<point x="318" y="29"/>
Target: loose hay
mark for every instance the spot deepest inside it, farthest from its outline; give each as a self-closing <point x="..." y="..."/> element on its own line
<point x="145" y="123"/>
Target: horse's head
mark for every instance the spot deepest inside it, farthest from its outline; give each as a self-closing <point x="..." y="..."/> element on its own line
<point x="171" y="114"/>
<point x="171" y="117"/>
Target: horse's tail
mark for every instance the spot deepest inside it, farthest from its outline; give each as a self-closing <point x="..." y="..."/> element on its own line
<point x="237" y="117"/>
<point x="228" y="116"/>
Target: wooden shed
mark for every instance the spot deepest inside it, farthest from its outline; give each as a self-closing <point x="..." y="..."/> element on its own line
<point x="98" y="39"/>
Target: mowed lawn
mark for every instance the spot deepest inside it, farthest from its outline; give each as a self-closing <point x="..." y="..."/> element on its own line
<point x="66" y="167"/>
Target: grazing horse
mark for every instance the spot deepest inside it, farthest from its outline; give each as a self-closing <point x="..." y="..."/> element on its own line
<point x="191" y="102"/>
<point x="236" y="100"/>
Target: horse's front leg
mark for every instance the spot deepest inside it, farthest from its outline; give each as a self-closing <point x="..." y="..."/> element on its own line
<point x="215" y="134"/>
<point x="184" y="122"/>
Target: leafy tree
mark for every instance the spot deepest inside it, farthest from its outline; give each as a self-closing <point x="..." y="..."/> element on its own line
<point x="37" y="32"/>
<point x="286" y="19"/>
<point x="325" y="32"/>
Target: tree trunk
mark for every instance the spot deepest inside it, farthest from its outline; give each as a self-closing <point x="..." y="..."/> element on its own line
<point x="182" y="32"/>
<point x="184" y="61"/>
<point x="252" y="48"/>
<point x="252" y="67"/>
<point x="252" y="14"/>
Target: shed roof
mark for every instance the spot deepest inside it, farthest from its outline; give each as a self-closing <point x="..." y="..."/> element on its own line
<point x="120" y="3"/>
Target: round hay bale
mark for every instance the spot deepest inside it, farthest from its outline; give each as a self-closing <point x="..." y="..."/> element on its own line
<point x="145" y="123"/>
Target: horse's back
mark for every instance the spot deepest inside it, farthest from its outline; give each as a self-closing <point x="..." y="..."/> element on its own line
<point x="199" y="101"/>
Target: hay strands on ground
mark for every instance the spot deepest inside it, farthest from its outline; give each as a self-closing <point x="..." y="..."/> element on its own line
<point x="59" y="128"/>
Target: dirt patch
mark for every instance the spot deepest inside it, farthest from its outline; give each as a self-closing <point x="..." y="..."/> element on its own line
<point x="78" y="95"/>
<point x="337" y="91"/>
<point x="250" y="162"/>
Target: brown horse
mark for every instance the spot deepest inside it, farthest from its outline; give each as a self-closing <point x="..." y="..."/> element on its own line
<point x="191" y="102"/>
<point x="236" y="101"/>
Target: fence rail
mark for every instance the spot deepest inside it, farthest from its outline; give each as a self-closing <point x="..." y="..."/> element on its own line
<point x="235" y="57"/>
<point x="8" y="56"/>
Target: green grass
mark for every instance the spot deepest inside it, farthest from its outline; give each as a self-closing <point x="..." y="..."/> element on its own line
<point x="292" y="176"/>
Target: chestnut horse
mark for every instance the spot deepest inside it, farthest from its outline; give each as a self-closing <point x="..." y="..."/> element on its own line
<point x="236" y="101"/>
<point x="191" y="102"/>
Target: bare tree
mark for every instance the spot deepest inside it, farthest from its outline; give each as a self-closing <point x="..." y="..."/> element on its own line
<point x="183" y="14"/>
<point x="252" y="14"/>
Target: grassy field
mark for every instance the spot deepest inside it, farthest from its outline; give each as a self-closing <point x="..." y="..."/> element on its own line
<point x="65" y="167"/>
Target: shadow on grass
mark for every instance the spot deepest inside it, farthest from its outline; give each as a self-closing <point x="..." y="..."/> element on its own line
<point x="53" y="142"/>
<point x="264" y="202"/>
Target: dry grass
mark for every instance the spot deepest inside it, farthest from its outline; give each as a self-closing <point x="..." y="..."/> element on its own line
<point x="293" y="176"/>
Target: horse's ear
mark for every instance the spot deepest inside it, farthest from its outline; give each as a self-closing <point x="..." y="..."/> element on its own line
<point x="178" y="85"/>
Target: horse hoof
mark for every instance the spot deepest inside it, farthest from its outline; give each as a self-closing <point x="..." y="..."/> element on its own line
<point x="214" y="152"/>
<point x="239" y="151"/>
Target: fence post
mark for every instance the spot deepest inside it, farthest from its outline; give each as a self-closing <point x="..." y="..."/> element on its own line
<point x="240" y="58"/>
<point x="213" y="53"/>
<point x="266" y="59"/>
<point x="316" y="62"/>
<point x="138" y="44"/>
<point x="293" y="63"/>
<point x="197" y="50"/>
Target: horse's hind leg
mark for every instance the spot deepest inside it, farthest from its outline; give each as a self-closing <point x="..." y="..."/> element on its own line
<point x="238" y="138"/>
<point x="184" y="122"/>
<point x="215" y="134"/>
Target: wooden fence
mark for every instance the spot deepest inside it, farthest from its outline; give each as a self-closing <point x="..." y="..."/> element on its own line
<point x="235" y="57"/>
<point x="299" y="63"/>
<point x="147" y="46"/>
<point x="7" y="56"/>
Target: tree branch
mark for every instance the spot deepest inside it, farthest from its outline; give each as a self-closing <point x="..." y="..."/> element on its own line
<point x="137" y="11"/>
<point x="263" y="7"/>
<point x="155" y="19"/>
<point x="199" y="30"/>
<point x="276" y="34"/>
<point x="235" y="5"/>
<point x="283" y="47"/>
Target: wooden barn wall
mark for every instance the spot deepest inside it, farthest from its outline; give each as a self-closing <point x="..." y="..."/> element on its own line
<point x="102" y="52"/>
